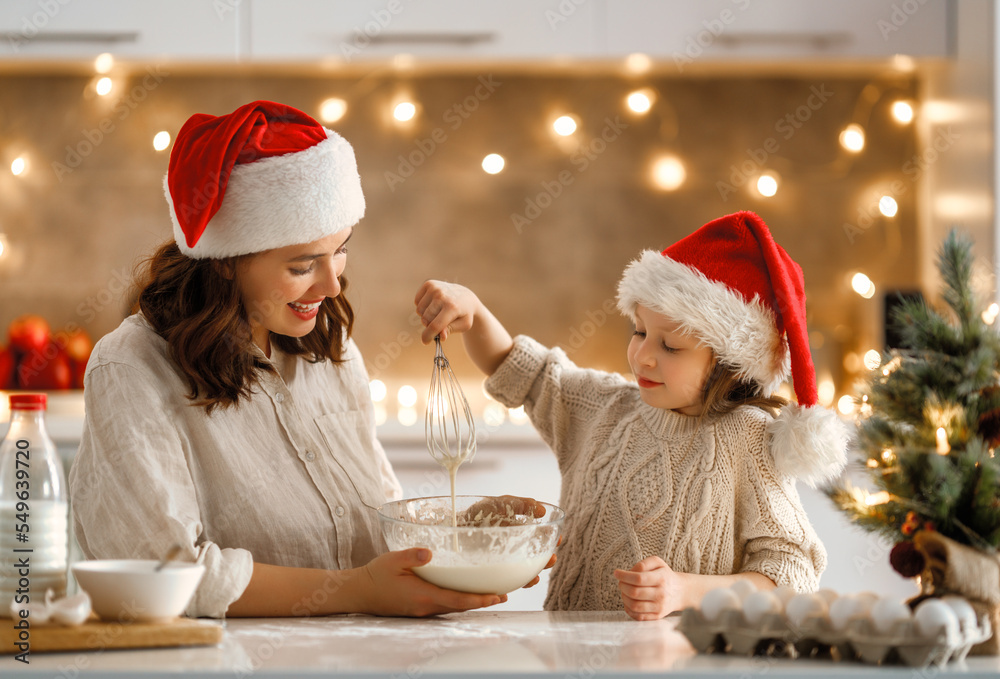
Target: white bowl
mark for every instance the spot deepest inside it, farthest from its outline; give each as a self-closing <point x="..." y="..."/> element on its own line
<point x="478" y="559"/>
<point x="129" y="590"/>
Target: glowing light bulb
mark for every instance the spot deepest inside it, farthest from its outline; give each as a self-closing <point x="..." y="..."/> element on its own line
<point x="18" y="166"/>
<point x="852" y="138"/>
<point x="638" y="63"/>
<point x="873" y="359"/>
<point x="639" y="101"/>
<point x="104" y="63"/>
<point x="990" y="314"/>
<point x="407" y="396"/>
<point x="941" y="436"/>
<point x="888" y="206"/>
<point x="767" y="184"/>
<point x="879" y="498"/>
<point x="902" y="111"/>
<point x="564" y="126"/>
<point x="378" y="390"/>
<point x="493" y="163"/>
<point x="404" y="111"/>
<point x="104" y="86"/>
<point x="863" y="285"/>
<point x="826" y="391"/>
<point x="161" y="140"/>
<point x="668" y="173"/>
<point x="494" y="414"/>
<point x="904" y="63"/>
<point x="845" y="404"/>
<point x="333" y="109"/>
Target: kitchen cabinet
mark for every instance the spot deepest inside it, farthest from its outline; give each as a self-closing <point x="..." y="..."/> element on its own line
<point x="179" y="30"/>
<point x="755" y="30"/>
<point x="453" y="30"/>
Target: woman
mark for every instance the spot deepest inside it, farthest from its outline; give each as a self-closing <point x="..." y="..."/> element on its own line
<point x="231" y="414"/>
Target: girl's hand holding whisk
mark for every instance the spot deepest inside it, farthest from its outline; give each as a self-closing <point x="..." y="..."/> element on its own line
<point x="445" y="308"/>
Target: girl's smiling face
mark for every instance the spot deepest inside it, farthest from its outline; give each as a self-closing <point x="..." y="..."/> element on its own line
<point x="670" y="367"/>
<point x="283" y="288"/>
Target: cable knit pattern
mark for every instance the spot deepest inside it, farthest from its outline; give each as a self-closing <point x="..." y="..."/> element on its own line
<point x="639" y="481"/>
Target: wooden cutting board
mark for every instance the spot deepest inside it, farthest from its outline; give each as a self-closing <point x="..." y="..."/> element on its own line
<point x="94" y="635"/>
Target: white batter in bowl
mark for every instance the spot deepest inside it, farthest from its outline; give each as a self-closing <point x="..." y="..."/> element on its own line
<point x="492" y="554"/>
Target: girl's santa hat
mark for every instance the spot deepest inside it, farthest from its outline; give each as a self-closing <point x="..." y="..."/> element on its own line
<point x="730" y="285"/>
<point x="262" y="177"/>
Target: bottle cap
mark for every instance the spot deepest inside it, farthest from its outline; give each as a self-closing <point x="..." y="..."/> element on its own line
<point x="28" y="401"/>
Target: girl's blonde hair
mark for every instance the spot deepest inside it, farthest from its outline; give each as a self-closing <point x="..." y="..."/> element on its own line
<point x="724" y="392"/>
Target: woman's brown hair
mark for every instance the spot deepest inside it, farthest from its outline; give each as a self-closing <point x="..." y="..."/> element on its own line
<point x="195" y="305"/>
<point x="724" y="392"/>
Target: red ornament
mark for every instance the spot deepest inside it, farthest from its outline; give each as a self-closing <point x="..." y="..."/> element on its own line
<point x="906" y="559"/>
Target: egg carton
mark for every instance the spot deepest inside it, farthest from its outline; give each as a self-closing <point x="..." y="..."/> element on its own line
<point x="861" y="641"/>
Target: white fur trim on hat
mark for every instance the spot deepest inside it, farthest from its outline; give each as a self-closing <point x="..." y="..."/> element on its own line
<point x="743" y="335"/>
<point x="295" y="198"/>
<point x="809" y="444"/>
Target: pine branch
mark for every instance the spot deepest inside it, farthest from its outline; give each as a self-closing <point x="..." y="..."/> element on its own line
<point x="955" y="264"/>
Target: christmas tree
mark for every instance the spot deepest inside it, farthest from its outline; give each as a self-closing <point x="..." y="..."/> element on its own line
<point x="929" y="422"/>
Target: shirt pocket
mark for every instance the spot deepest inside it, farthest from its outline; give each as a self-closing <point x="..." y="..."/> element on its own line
<point x="349" y="438"/>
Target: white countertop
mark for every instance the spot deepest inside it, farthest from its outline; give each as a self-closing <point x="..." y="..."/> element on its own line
<point x="480" y="642"/>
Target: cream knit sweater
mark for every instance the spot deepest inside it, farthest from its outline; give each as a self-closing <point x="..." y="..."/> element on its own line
<point x="639" y="481"/>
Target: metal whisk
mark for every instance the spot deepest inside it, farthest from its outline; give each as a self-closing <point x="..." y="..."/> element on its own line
<point x="448" y="425"/>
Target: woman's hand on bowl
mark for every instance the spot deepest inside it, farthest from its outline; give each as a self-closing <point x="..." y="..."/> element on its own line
<point x="388" y="587"/>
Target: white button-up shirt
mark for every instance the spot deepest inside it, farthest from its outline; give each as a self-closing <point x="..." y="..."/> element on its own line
<point x="291" y="477"/>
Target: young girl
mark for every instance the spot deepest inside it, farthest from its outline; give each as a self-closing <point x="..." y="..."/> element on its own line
<point x="684" y="480"/>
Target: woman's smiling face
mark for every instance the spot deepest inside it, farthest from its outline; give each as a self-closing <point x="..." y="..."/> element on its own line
<point x="671" y="367"/>
<point x="282" y="289"/>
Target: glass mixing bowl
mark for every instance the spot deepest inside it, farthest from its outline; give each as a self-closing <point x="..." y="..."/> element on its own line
<point x="483" y="556"/>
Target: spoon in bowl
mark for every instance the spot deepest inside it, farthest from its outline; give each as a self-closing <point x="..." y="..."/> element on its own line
<point x="169" y="556"/>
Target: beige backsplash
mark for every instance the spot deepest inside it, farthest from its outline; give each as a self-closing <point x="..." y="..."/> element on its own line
<point x="74" y="233"/>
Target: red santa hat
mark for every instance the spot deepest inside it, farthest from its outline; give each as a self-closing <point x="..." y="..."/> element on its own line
<point x="731" y="286"/>
<point x="262" y="177"/>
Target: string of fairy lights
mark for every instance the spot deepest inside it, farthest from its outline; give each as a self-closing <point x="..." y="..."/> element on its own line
<point x="666" y="172"/>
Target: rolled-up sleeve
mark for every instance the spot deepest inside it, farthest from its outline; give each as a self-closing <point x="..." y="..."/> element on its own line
<point x="132" y="490"/>
<point x="563" y="400"/>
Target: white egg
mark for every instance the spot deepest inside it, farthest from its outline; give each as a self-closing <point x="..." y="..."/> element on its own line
<point x="867" y="599"/>
<point x="760" y="603"/>
<point x="743" y="588"/>
<point x="803" y="606"/>
<point x="829" y="595"/>
<point x="716" y="601"/>
<point x="888" y="611"/>
<point x="784" y="592"/>
<point x="934" y="617"/>
<point x="844" y="609"/>
<point x="967" y="617"/>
